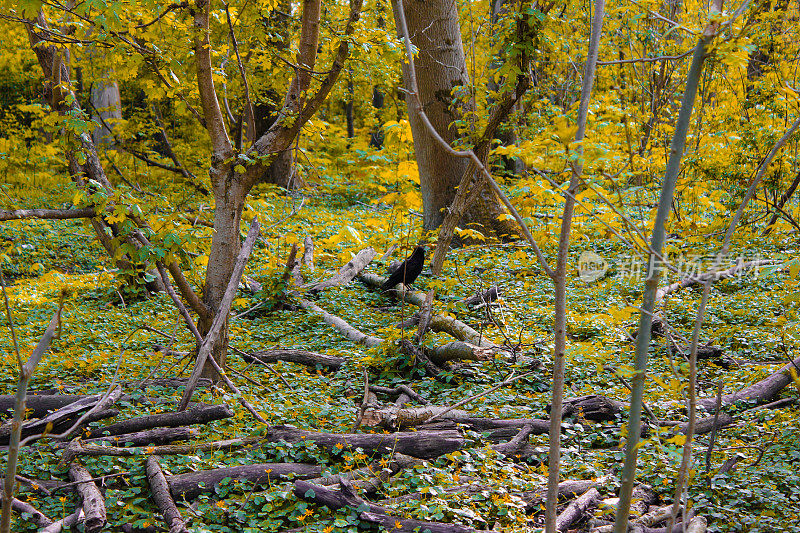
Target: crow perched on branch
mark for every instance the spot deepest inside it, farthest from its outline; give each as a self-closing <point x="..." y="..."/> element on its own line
<point x="408" y="270"/>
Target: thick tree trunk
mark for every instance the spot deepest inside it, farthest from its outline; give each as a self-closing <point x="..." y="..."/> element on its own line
<point x="441" y="67"/>
<point x="229" y="198"/>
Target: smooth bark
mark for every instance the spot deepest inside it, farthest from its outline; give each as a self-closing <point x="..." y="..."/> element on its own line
<point x="651" y="284"/>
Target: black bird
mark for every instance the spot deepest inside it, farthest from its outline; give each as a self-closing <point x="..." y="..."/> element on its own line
<point x="408" y="270"/>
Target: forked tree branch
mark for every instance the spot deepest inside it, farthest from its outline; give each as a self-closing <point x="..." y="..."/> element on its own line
<point x="289" y="122"/>
<point x="222" y="148"/>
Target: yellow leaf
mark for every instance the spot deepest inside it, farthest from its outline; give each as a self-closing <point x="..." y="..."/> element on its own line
<point x="680" y="440"/>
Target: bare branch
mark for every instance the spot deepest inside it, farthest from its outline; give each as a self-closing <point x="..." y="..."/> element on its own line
<point x="248" y="108"/>
<point x="49" y="214"/>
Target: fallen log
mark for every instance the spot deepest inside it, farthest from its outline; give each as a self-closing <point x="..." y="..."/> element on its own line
<point x="308" y="253"/>
<point x="39" y="405"/>
<point x="413" y="353"/>
<point x="349" y="271"/>
<point x="303" y="357"/>
<point x="703" y="425"/>
<point x="592" y="407"/>
<point x="420" y="444"/>
<point x="710" y="276"/>
<point x="341" y="326"/>
<point x="76" y="448"/>
<point x="63" y="419"/>
<point x="517" y="446"/>
<point x="199" y="414"/>
<point x="193" y="484"/>
<point x="450" y="325"/>
<point x="697" y="525"/>
<point x="577" y="509"/>
<point x="392" y="418"/>
<point x="534" y="499"/>
<point x="292" y="269"/>
<point x="400" y="391"/>
<point x="346" y="497"/>
<point x="66" y="523"/>
<point x="642" y="498"/>
<point x="763" y="391"/>
<point x="159" y="491"/>
<point x="62" y="428"/>
<point x="392" y="523"/>
<point x="35" y="516"/>
<point x="370" y="478"/>
<point x="157" y="436"/>
<point x="486" y="297"/>
<point x="460" y="351"/>
<point x="369" y="341"/>
<point x="645" y="522"/>
<point x="709" y="352"/>
<point x="48" y="214"/>
<point x="94" y="506"/>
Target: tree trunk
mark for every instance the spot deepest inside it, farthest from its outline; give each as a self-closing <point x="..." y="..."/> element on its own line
<point x="229" y="197"/>
<point x="376" y="137"/>
<point x="441" y="67"/>
<point x="106" y="107"/>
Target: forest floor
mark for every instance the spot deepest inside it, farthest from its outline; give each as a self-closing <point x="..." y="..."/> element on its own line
<point x="753" y="319"/>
